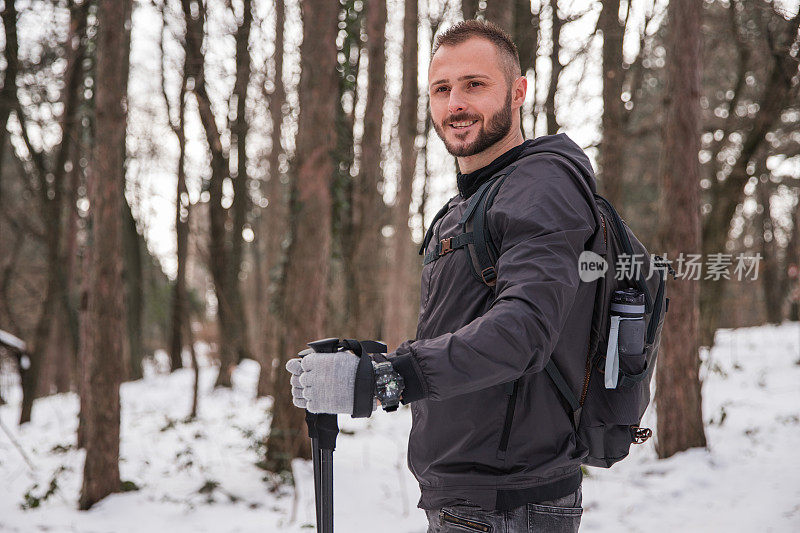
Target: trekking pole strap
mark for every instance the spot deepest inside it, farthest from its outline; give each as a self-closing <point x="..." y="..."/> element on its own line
<point x="364" y="389"/>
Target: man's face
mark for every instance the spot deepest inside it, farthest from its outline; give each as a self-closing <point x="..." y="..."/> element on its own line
<point x="470" y="97"/>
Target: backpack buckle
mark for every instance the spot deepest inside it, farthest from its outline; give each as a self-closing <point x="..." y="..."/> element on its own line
<point x="640" y="435"/>
<point x="445" y="246"/>
<point x="489" y="276"/>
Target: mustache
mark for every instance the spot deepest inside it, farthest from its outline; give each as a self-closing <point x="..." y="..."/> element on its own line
<point x="460" y="117"/>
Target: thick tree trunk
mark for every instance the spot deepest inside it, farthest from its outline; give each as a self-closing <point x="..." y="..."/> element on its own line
<point x="103" y="344"/>
<point x="69" y="298"/>
<point x="402" y="292"/>
<point x="305" y="287"/>
<point x="241" y="200"/>
<point x="343" y="280"/>
<point x="501" y="12"/>
<point x="30" y="376"/>
<point x="469" y="9"/>
<point x="365" y="255"/>
<point x="678" y="398"/>
<point x="612" y="148"/>
<point x="526" y="35"/>
<point x="273" y="217"/>
<point x="8" y="94"/>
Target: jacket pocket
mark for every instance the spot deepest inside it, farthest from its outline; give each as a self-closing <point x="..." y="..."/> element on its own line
<point x="512" y="388"/>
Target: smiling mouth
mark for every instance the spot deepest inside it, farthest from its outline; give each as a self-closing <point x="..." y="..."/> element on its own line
<point x="463" y="124"/>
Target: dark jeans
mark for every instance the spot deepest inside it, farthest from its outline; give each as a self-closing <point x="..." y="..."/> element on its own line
<point x="556" y="516"/>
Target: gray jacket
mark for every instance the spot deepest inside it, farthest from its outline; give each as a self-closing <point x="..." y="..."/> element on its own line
<point x="474" y="438"/>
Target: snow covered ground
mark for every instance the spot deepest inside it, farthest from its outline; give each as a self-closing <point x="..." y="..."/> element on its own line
<point x="201" y="476"/>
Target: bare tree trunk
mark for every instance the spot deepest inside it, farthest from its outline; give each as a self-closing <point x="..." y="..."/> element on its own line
<point x="765" y="233"/>
<point x="469" y="8"/>
<point x="526" y="35"/>
<point x="136" y="248"/>
<point x="344" y="285"/>
<point x="790" y="281"/>
<point x="401" y="293"/>
<point x="241" y="200"/>
<point x="305" y="287"/>
<point x="69" y="297"/>
<point x="179" y="317"/>
<point x="52" y="202"/>
<point x="103" y="344"/>
<point x="501" y="12"/>
<point x="612" y="148"/>
<point x="365" y="254"/>
<point x="231" y="341"/>
<point x="678" y="399"/>
<point x="271" y="232"/>
<point x="195" y="368"/>
<point x="30" y="376"/>
<point x="8" y="94"/>
<point x="555" y="71"/>
<point x="133" y="279"/>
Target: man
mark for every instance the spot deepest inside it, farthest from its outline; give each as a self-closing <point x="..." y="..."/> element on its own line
<point x="491" y="444"/>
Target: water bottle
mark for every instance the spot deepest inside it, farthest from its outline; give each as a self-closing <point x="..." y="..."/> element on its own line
<point x="629" y="306"/>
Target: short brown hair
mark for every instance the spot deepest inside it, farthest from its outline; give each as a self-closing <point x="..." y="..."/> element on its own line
<point x="467" y="29"/>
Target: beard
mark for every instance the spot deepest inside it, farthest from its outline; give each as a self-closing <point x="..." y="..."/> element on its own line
<point x="498" y="127"/>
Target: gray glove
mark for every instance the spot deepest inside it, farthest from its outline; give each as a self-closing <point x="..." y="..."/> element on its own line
<point x="324" y="382"/>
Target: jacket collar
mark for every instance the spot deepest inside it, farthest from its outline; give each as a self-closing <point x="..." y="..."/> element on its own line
<point x="469" y="183"/>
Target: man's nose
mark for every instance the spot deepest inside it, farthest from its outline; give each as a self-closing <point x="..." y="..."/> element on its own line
<point x="456" y="104"/>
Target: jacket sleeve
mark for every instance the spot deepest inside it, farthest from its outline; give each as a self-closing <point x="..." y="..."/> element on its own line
<point x="541" y="221"/>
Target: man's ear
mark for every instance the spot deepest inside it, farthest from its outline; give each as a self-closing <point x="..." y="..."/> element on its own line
<point x="518" y="90"/>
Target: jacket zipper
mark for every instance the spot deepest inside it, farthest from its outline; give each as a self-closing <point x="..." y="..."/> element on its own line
<point x="512" y="403"/>
<point x="445" y="516"/>
<point x="588" y="370"/>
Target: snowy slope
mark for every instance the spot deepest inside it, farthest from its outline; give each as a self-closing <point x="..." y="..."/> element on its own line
<point x="201" y="476"/>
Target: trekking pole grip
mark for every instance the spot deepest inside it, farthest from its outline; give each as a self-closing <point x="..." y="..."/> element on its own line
<point x="324" y="427"/>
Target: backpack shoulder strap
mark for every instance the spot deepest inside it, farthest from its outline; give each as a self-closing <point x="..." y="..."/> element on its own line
<point x="597" y="244"/>
<point x="562" y="386"/>
<point x="474" y="219"/>
<point x="429" y="234"/>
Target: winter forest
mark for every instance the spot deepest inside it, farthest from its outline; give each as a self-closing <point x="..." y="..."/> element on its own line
<point x="192" y="190"/>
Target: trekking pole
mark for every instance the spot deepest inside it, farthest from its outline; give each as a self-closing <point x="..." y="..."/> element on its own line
<point x="324" y="428"/>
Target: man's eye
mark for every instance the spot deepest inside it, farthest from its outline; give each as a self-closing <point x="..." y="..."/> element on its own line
<point x="475" y="83"/>
<point x="440" y="89"/>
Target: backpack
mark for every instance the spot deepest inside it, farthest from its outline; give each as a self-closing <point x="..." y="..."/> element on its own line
<point x="606" y="420"/>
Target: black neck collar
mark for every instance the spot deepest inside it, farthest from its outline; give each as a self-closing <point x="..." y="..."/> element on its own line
<point x="469" y="183"/>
